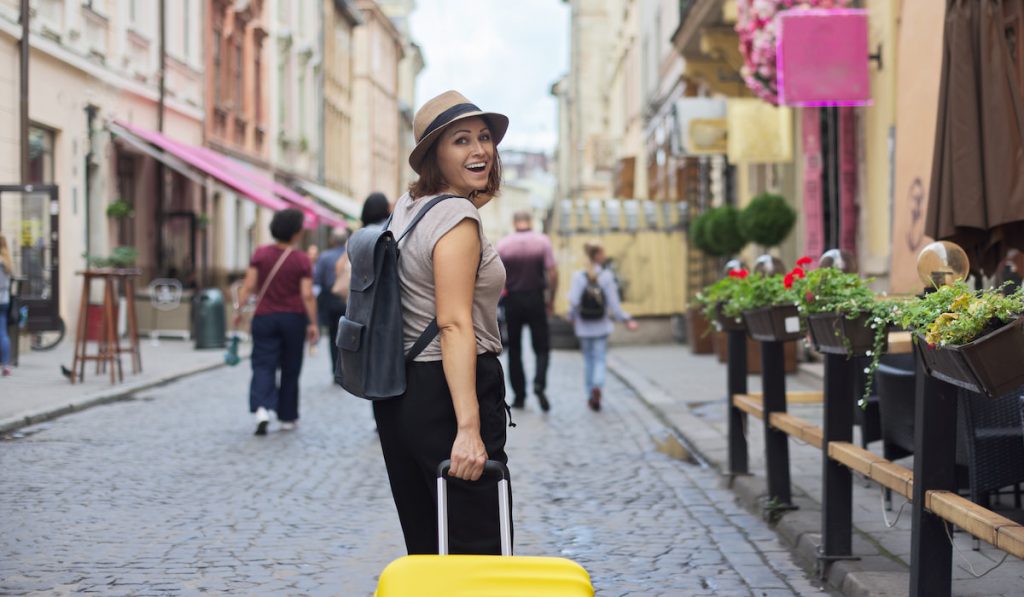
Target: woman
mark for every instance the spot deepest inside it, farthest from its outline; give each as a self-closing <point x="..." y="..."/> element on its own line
<point x="376" y="209"/>
<point x="593" y="301"/>
<point x="455" y="403"/>
<point x="6" y="276"/>
<point x="281" y="279"/>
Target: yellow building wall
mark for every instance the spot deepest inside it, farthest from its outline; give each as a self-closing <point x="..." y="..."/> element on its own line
<point x="878" y="121"/>
<point x="650" y="264"/>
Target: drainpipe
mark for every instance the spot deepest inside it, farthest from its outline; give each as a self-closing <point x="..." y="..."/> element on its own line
<point x="90" y="119"/>
<point x="23" y="92"/>
<point x="160" y="182"/>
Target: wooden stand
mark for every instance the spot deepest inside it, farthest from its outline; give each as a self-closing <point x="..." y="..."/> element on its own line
<point x="109" y="349"/>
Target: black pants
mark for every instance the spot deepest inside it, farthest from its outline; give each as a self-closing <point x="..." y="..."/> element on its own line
<point x="527" y="308"/>
<point x="417" y="431"/>
<point x="277" y="343"/>
<point x="331" y="307"/>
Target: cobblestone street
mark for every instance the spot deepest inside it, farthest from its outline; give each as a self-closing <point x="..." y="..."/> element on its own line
<point x="172" y="494"/>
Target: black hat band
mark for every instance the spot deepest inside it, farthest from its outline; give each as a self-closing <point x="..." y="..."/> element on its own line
<point x="447" y="116"/>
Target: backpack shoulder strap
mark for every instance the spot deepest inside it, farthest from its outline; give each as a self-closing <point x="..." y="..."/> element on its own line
<point x="419" y="215"/>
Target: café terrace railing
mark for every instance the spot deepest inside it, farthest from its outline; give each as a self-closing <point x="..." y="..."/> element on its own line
<point x="930" y="487"/>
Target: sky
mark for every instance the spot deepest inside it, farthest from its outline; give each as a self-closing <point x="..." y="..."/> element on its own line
<point x="501" y="54"/>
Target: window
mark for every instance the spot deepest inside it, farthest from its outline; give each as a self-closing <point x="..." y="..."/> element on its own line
<point x="40" y="155"/>
<point x="238" y="68"/>
<point x="186" y="29"/>
<point x="257" y="92"/>
<point x="218" y="43"/>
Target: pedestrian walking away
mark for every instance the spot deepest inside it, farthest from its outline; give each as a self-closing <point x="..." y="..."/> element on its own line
<point x="593" y="303"/>
<point x="454" y="403"/>
<point x="283" y="318"/>
<point x="531" y="283"/>
<point x="330" y="306"/>
<point x="376" y="210"/>
<point x="7" y="314"/>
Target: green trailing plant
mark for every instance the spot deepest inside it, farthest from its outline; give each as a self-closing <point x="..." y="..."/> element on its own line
<point x="767" y="220"/>
<point x="758" y="292"/>
<point x="829" y="290"/>
<point x="720" y="294"/>
<point x="954" y="315"/>
<point x="120" y="209"/>
<point x="722" y="232"/>
<point x="120" y="257"/>
<point x="202" y="220"/>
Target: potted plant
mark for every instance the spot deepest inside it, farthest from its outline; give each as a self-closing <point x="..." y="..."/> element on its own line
<point x="120" y="258"/>
<point x="971" y="339"/>
<point x="767" y="220"/>
<point x="769" y="306"/>
<point x="843" y="314"/>
<point x="715" y="298"/>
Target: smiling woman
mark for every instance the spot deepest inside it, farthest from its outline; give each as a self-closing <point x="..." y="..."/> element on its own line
<point x="451" y="277"/>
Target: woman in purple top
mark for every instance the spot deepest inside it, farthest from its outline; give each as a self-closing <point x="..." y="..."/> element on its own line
<point x="593" y="303"/>
<point x="280" y="276"/>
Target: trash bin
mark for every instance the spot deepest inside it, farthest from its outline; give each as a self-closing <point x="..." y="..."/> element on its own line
<point x="209" y="319"/>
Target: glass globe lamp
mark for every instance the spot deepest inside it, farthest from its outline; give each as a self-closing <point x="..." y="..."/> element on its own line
<point x="843" y="261"/>
<point x="733" y="264"/>
<point x="942" y="263"/>
<point x="768" y="265"/>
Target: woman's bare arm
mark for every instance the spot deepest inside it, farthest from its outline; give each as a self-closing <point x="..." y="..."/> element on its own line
<point x="456" y="258"/>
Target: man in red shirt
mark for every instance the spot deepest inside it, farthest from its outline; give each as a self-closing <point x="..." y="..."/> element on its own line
<point x="531" y="280"/>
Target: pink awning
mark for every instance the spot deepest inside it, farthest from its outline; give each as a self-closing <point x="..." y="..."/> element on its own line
<point x="324" y="215"/>
<point x="191" y="156"/>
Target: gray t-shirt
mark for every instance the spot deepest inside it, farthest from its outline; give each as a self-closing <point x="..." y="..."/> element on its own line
<point x="5" y="285"/>
<point x="416" y="272"/>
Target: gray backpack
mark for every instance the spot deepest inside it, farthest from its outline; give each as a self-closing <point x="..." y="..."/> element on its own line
<point x="371" y="351"/>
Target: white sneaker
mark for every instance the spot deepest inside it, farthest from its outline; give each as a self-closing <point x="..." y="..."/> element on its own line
<point x="287" y="425"/>
<point x="262" y="420"/>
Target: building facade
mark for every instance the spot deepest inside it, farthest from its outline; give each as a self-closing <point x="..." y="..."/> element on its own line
<point x="90" y="64"/>
<point x="341" y="17"/>
<point x="376" y="162"/>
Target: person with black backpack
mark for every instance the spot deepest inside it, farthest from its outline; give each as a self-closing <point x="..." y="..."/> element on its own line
<point x="420" y="337"/>
<point x="593" y="302"/>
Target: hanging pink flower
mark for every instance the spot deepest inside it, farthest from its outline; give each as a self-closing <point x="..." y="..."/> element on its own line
<point x="755" y="27"/>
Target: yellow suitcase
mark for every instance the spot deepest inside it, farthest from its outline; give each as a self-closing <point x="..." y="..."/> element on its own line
<point x="482" y="576"/>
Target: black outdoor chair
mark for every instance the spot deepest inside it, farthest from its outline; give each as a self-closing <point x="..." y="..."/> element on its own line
<point x="993" y="443"/>
<point x="869" y="417"/>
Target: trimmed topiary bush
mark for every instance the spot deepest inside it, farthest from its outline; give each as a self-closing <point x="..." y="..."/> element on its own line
<point x="767" y="220"/>
<point x="698" y="232"/>
<point x="722" y="232"/>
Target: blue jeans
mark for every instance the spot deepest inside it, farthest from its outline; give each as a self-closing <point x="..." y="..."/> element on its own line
<point x="278" y="340"/>
<point x="5" y="341"/>
<point x="594" y="352"/>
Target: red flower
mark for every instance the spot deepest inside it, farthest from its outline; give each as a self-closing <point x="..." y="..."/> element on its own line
<point x="788" y="280"/>
<point x="797" y="272"/>
<point x="809" y="297"/>
<point x="738" y="273"/>
<point x="805" y="260"/>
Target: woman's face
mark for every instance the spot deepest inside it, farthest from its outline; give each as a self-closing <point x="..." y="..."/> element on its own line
<point x="465" y="155"/>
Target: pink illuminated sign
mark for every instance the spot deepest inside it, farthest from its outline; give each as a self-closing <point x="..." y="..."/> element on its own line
<point x="822" y="57"/>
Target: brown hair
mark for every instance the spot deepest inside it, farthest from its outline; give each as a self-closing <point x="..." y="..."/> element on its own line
<point x="5" y="256"/>
<point x="431" y="181"/>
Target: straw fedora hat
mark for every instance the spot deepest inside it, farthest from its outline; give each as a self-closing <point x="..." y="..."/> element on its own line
<point x="435" y="115"/>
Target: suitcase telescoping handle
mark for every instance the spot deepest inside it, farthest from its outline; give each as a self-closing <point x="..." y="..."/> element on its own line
<point x="504" y="505"/>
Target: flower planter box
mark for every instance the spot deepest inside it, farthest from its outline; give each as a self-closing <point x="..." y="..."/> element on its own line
<point x="754" y="353"/>
<point x="698" y="332"/>
<point x="990" y="365"/>
<point x="777" y="323"/>
<point x="728" y="324"/>
<point x="833" y="333"/>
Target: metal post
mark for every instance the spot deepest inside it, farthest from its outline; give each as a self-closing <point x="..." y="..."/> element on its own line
<point x="736" y="367"/>
<point x="23" y="115"/>
<point x="776" y="442"/>
<point x="931" y="555"/>
<point x="837" y="484"/>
